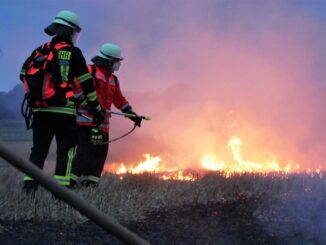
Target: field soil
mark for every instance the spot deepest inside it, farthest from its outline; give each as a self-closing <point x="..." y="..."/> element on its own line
<point x="216" y="223"/>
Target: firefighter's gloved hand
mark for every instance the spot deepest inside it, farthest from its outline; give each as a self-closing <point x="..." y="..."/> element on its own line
<point x="98" y="117"/>
<point x="136" y="119"/>
<point x="96" y="136"/>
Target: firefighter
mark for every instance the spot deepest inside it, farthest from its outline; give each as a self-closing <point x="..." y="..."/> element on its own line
<point x="57" y="116"/>
<point x="92" y="147"/>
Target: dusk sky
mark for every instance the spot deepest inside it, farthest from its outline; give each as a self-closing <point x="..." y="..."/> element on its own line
<point x="142" y="27"/>
<point x="205" y="70"/>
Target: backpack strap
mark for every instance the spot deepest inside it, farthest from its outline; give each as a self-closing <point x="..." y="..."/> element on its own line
<point x="116" y="80"/>
<point x="93" y="72"/>
<point x="27" y="112"/>
<point x="61" y="45"/>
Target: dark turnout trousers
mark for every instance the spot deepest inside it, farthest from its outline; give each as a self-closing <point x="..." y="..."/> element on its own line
<point x="89" y="159"/>
<point x="46" y="126"/>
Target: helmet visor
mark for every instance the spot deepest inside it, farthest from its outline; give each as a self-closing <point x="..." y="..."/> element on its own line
<point x="75" y="37"/>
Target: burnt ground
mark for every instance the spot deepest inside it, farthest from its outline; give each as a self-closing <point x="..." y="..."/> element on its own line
<point x="215" y="223"/>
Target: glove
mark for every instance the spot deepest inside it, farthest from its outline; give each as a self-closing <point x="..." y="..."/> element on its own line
<point x="137" y="120"/>
<point x="98" y="117"/>
<point x="96" y="136"/>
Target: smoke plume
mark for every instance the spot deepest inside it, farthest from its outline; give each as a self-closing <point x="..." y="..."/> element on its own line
<point x="209" y="70"/>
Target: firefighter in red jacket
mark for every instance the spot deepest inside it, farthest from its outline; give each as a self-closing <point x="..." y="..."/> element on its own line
<point x="56" y="117"/>
<point x="92" y="147"/>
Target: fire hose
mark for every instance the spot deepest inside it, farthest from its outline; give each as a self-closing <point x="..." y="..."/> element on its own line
<point x="120" y="114"/>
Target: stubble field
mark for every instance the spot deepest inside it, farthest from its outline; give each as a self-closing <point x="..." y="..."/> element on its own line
<point x="243" y="209"/>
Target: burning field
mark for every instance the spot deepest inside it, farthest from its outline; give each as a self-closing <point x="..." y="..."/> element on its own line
<point x="213" y="193"/>
<point x="181" y="207"/>
<point x="235" y="153"/>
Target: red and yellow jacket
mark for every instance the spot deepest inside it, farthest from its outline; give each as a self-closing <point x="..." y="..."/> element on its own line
<point x="108" y="92"/>
<point x="73" y="71"/>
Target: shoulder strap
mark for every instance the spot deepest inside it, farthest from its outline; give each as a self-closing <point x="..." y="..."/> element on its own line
<point x="27" y="112"/>
<point x="40" y="50"/>
<point x="61" y="45"/>
<point x="116" y="80"/>
<point x="93" y="72"/>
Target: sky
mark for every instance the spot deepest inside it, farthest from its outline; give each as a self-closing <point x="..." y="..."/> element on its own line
<point x="204" y="70"/>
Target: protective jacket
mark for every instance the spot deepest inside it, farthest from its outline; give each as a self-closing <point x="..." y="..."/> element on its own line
<point x="108" y="92"/>
<point x="71" y="66"/>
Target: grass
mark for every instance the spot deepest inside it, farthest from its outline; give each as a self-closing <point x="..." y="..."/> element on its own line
<point x="135" y="196"/>
<point x="289" y="207"/>
<point x="292" y="207"/>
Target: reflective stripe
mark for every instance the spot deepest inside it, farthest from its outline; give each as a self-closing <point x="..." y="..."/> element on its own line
<point x="91" y="96"/>
<point x="64" y="55"/>
<point x="84" y="77"/>
<point x="23" y="72"/>
<point x="124" y="107"/>
<point x="69" y="162"/>
<point x="63" y="180"/>
<point x="64" y="69"/>
<point x="83" y="119"/>
<point x="64" y="110"/>
<point x="81" y="110"/>
<point x="92" y="178"/>
<point x="70" y="104"/>
<point x="84" y="103"/>
<point x="74" y="177"/>
<point x="27" y="178"/>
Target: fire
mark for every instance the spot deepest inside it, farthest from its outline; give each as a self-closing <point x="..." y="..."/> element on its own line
<point x="151" y="164"/>
<point x="240" y="165"/>
<point x="209" y="162"/>
<point x="179" y="175"/>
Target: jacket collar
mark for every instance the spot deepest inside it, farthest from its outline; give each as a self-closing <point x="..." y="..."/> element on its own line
<point x="58" y="39"/>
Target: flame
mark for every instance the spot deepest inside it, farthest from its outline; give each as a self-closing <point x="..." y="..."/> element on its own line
<point x="179" y="175"/>
<point x="151" y="164"/>
<point x="240" y="165"/>
<point x="209" y="162"/>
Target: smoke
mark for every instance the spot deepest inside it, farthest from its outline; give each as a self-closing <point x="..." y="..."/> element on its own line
<point x="208" y="70"/>
<point x="298" y="214"/>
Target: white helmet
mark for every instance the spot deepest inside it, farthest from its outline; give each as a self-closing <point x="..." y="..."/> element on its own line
<point x="110" y="51"/>
<point x="66" y="18"/>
